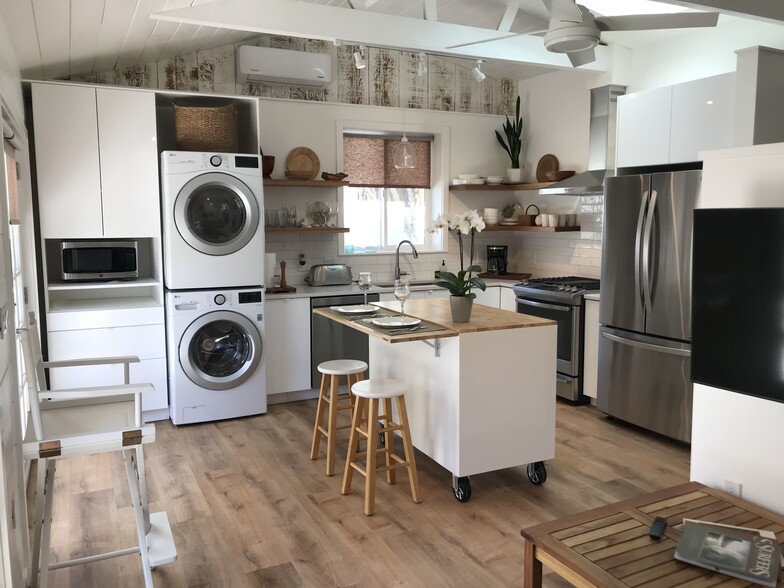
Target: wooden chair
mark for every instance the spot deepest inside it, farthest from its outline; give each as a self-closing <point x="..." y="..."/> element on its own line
<point x="85" y="421"/>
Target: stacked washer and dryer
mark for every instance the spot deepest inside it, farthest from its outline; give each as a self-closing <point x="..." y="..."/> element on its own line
<point x="213" y="255"/>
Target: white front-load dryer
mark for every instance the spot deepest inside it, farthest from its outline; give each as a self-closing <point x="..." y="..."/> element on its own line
<point x="213" y="236"/>
<point x="215" y="349"/>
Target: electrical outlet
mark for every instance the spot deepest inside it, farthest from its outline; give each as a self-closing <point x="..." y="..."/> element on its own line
<point x="309" y="261"/>
<point x="733" y="487"/>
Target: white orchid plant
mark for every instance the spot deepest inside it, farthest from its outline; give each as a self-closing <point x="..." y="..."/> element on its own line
<point x="461" y="283"/>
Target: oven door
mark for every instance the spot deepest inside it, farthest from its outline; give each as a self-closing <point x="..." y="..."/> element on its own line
<point x="568" y="319"/>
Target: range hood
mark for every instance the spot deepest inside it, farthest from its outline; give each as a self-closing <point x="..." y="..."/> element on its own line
<point x="601" y="147"/>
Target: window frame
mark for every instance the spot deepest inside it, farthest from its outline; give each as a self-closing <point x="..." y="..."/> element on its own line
<point x="439" y="167"/>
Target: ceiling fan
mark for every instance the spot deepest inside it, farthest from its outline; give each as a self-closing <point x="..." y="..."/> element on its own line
<point x="575" y="30"/>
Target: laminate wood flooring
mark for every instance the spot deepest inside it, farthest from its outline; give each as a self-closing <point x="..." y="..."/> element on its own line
<point x="249" y="508"/>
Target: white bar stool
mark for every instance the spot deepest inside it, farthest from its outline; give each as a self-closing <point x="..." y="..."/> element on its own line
<point x="369" y="394"/>
<point x="330" y="373"/>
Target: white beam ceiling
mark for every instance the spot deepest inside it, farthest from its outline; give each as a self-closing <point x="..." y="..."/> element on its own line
<point x="304" y="19"/>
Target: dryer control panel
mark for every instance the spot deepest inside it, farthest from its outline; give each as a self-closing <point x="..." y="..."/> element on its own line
<point x="243" y="300"/>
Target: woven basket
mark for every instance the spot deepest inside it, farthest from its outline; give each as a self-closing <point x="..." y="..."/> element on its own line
<point x="205" y="128"/>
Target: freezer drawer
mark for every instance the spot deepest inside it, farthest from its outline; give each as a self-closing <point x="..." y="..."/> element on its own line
<point x="646" y="381"/>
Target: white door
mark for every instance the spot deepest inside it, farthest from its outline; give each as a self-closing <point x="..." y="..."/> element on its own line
<point x="216" y="213"/>
<point x="220" y="350"/>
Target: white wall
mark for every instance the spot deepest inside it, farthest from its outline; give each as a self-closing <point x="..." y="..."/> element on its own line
<point x="735" y="436"/>
<point x="10" y="86"/>
<point x="286" y="124"/>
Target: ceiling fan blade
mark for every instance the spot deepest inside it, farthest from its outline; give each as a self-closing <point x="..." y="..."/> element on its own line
<point x="579" y="58"/>
<point x="564" y="10"/>
<point x="644" y="22"/>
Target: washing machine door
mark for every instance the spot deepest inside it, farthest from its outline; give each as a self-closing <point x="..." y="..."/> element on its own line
<point x="220" y="350"/>
<point x="216" y="213"/>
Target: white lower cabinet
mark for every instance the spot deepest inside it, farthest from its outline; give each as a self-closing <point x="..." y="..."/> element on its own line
<point x="287" y="344"/>
<point x="491" y="296"/>
<point x="591" y="349"/>
<point x="508" y="299"/>
<point x="147" y="342"/>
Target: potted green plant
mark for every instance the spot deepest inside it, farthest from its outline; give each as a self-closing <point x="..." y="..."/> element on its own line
<point x="461" y="283"/>
<point x="513" y="144"/>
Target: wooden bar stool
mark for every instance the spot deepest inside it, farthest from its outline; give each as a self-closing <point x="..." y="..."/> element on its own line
<point x="369" y="394"/>
<point x="328" y="397"/>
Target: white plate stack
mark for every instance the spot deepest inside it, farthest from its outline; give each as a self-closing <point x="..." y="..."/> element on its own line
<point x="490" y="216"/>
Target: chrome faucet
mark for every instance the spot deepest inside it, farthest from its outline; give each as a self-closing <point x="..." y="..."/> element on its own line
<point x="398" y="273"/>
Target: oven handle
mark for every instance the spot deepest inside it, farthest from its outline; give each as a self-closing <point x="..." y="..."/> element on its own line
<point x="543" y="305"/>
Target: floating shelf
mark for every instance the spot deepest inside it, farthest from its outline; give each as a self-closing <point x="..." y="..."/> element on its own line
<point x="53" y="286"/>
<point x="305" y="183"/>
<point x="499" y="187"/>
<point x="306" y="230"/>
<point x="525" y="228"/>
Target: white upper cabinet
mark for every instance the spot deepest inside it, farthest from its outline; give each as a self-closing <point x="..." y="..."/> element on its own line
<point x="67" y="161"/>
<point x="703" y="114"/>
<point x="644" y="128"/>
<point x="129" y="163"/>
<point x="97" y="162"/>
<point x="673" y="124"/>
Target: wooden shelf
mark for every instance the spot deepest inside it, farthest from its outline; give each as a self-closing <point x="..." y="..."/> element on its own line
<point x="499" y="187"/>
<point x="305" y="183"/>
<point x="306" y="230"/>
<point x="525" y="228"/>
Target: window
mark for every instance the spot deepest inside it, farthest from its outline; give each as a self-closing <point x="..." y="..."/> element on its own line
<point x="384" y="205"/>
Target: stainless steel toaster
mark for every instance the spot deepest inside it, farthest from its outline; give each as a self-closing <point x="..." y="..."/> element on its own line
<point x="329" y="274"/>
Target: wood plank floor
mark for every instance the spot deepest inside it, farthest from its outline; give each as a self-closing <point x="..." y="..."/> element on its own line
<point x="249" y="508"/>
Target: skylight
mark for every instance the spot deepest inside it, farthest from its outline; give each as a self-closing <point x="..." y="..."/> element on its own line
<point x="621" y="7"/>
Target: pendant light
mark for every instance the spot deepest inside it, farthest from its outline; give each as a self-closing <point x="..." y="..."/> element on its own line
<point x="405" y="158"/>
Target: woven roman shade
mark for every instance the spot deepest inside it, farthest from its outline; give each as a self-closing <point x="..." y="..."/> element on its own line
<point x="369" y="162"/>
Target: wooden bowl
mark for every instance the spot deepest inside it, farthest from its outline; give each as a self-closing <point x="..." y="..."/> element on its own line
<point x="557" y="176"/>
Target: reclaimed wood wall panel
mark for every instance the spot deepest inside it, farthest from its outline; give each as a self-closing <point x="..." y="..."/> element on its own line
<point x="384" y="77"/>
<point x="441" y="84"/>
<point x="392" y="78"/>
<point x="352" y="82"/>
<point x="412" y="86"/>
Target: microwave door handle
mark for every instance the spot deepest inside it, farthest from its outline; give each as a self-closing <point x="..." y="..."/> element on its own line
<point x="543" y="305"/>
<point x="638" y="248"/>
<point x="646" y="254"/>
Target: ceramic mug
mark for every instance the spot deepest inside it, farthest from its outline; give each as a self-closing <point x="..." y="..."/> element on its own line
<point x="546" y="220"/>
<point x="539" y="220"/>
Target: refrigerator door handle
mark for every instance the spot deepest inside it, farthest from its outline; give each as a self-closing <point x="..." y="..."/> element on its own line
<point x="646" y="254"/>
<point x="648" y="346"/>
<point x="638" y="248"/>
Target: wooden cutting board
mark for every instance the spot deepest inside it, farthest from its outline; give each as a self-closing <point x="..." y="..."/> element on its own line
<point x="506" y="276"/>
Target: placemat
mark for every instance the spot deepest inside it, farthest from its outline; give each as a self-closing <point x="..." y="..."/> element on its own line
<point x="423" y="327"/>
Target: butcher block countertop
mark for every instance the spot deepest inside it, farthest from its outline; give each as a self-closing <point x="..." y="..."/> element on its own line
<point x="436" y="312"/>
<point x="483" y="318"/>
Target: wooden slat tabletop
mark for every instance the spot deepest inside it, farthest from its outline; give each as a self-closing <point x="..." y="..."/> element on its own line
<point x="610" y="546"/>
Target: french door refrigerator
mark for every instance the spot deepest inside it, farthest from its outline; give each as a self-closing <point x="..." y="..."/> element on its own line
<point x="645" y="304"/>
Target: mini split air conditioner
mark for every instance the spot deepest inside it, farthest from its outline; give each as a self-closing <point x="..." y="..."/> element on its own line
<point x="281" y="66"/>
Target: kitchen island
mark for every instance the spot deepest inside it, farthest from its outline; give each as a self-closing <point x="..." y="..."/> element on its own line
<point x="481" y="395"/>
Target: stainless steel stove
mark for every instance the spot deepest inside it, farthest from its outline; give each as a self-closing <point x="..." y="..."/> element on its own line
<point x="561" y="299"/>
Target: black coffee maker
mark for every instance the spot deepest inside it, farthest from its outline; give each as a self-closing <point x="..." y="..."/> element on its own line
<point x="496" y="259"/>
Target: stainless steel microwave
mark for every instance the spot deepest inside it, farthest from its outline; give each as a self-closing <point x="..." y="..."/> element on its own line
<point x="100" y="260"/>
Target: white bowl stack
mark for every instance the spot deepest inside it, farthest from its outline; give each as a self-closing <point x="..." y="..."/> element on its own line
<point x="490" y="216"/>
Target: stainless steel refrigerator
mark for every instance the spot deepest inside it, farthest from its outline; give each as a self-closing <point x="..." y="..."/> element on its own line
<point x="645" y="305"/>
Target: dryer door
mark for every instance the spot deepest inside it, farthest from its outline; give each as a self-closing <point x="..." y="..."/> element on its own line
<point x="220" y="350"/>
<point x="216" y="213"/>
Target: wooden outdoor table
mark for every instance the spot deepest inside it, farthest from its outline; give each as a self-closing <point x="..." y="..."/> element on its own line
<point x="609" y="546"/>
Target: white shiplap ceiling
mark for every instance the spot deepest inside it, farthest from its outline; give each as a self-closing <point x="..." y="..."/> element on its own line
<point x="61" y="38"/>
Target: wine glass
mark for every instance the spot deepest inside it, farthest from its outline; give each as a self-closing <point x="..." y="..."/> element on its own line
<point x="402" y="290"/>
<point x="364" y="282"/>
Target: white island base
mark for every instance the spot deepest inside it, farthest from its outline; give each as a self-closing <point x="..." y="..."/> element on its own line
<point x="483" y="402"/>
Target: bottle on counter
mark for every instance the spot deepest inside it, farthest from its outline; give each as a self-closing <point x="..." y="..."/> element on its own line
<point x="442" y="268"/>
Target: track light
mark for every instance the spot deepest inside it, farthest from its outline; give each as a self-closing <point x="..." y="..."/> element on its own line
<point x="478" y="75"/>
<point x="422" y="65"/>
<point x="359" y="57"/>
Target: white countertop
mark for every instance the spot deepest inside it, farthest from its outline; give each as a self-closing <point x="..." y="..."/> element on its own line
<point x="305" y="291"/>
<point x="591" y="297"/>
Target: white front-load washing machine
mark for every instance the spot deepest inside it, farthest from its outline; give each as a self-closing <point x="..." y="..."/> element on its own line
<point x="215" y="349"/>
<point x="213" y="236"/>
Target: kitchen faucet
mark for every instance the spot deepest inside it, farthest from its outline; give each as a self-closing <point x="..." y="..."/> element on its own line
<point x="398" y="273"/>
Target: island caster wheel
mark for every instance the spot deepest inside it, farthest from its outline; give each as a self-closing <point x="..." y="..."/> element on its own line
<point x="461" y="488"/>
<point x="537" y="473"/>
